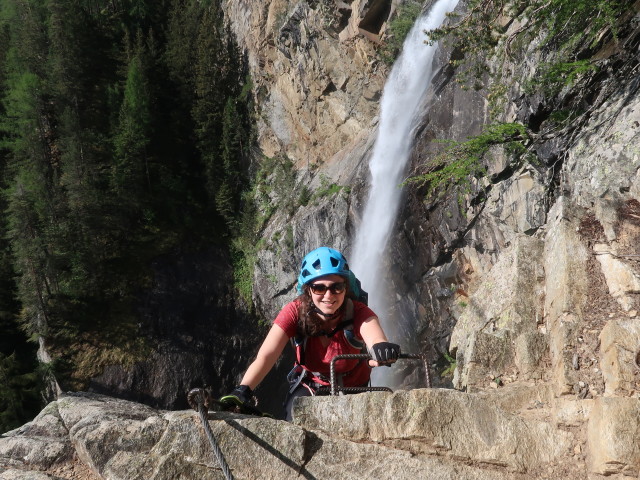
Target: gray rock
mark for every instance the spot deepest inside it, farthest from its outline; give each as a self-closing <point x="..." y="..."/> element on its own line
<point x="438" y="422"/>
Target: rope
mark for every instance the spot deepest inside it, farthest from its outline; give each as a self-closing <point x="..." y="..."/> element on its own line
<point x="197" y="394"/>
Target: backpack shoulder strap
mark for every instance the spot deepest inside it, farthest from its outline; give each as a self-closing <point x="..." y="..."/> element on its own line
<point x="349" y="333"/>
<point x="349" y="311"/>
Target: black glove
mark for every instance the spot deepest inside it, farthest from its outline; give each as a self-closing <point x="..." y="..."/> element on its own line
<point x="385" y="352"/>
<point x="240" y="396"/>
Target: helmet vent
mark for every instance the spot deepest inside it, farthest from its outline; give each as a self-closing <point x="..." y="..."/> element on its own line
<point x="334" y="262"/>
<point x="316" y="264"/>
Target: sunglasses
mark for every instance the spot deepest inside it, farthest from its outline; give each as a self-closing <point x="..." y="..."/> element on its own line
<point x="321" y="289"/>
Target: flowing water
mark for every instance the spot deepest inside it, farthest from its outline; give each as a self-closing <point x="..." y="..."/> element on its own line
<point x="408" y="81"/>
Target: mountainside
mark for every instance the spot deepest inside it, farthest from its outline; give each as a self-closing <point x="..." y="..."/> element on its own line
<point x="513" y="264"/>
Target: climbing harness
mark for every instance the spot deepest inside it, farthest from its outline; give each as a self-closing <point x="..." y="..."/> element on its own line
<point x="321" y="385"/>
<point x="197" y="395"/>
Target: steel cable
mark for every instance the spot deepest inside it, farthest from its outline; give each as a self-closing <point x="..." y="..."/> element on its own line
<point x="198" y="395"/>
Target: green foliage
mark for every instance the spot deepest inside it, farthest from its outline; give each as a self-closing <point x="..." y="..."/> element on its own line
<point x="496" y="98"/>
<point x="305" y="196"/>
<point x="19" y="380"/>
<point x="126" y="131"/>
<point x="398" y="30"/>
<point x="462" y="161"/>
<point x="288" y="238"/>
<point x="327" y="189"/>
<point x="19" y="394"/>
<point x="271" y="189"/>
<point x="474" y="34"/>
<point x="275" y="188"/>
<point x="564" y="20"/>
<point x="551" y="78"/>
<point x="561" y="118"/>
<point x="450" y="367"/>
<point x="563" y="24"/>
<point x="130" y="173"/>
<point x="245" y="244"/>
<point x="244" y="258"/>
<point x="234" y="145"/>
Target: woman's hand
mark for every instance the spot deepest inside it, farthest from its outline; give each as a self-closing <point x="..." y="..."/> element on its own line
<point x="384" y="353"/>
<point x="374" y="337"/>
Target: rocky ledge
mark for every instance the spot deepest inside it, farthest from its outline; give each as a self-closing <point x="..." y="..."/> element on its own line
<point x="522" y="433"/>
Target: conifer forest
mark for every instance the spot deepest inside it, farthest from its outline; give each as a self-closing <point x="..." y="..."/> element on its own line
<point x="125" y="132"/>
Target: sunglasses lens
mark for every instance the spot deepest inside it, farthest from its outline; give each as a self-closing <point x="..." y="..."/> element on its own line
<point x="320" y="289"/>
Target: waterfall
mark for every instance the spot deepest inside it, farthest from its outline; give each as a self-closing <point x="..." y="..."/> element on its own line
<point x="408" y="81"/>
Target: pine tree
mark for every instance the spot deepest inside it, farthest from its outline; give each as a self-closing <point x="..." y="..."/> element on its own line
<point x="32" y="210"/>
<point x="210" y="96"/>
<point x="18" y="393"/>
<point x="228" y="193"/>
<point x="72" y="36"/>
<point x="131" y="179"/>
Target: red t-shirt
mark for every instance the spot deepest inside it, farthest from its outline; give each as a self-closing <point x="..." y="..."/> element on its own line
<point x="317" y="357"/>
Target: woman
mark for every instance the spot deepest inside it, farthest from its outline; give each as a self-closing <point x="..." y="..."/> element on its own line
<point x="324" y="322"/>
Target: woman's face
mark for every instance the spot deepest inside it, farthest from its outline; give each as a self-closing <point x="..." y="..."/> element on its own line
<point x="328" y="293"/>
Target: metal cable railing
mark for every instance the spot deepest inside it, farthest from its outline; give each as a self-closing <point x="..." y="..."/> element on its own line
<point x="198" y="396"/>
<point x="334" y="389"/>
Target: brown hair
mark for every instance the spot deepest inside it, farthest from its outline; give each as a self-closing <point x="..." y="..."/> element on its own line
<point x="310" y="323"/>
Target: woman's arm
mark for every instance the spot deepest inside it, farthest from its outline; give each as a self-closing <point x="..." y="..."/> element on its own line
<point x="268" y="354"/>
<point x="372" y="333"/>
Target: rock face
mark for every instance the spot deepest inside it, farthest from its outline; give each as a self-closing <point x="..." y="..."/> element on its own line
<point x="424" y="433"/>
<point x="103" y="438"/>
<point x="316" y="93"/>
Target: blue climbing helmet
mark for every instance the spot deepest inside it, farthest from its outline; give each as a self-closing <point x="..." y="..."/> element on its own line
<point x="320" y="262"/>
<point x="327" y="261"/>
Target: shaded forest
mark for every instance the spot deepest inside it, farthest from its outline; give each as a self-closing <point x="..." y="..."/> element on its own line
<point x="125" y="133"/>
